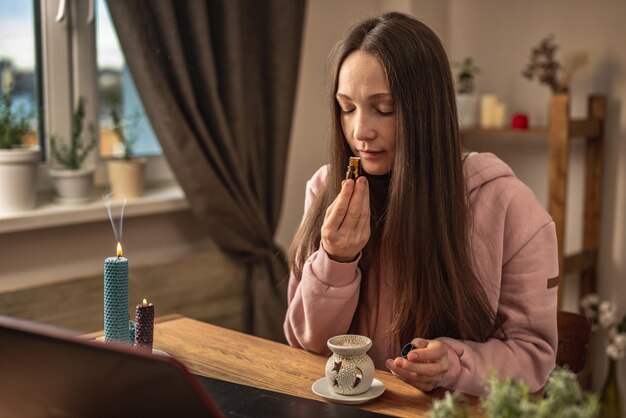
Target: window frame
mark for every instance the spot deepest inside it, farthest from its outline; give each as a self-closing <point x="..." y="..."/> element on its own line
<point x="69" y="70"/>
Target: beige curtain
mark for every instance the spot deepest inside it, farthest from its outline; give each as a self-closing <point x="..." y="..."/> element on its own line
<point x="217" y="79"/>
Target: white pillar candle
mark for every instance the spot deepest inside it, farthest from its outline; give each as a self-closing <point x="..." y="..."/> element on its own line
<point x="499" y="114"/>
<point x="488" y="103"/>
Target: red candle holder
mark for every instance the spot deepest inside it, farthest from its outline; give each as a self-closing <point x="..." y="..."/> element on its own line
<point x="520" y="121"/>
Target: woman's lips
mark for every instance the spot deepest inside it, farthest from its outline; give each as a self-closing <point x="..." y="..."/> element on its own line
<point x="368" y="155"/>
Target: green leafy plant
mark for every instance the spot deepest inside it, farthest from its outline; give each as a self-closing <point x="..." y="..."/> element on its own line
<point x="510" y="398"/>
<point x="465" y="78"/>
<point x="123" y="128"/>
<point x="73" y="155"/>
<point x="453" y="405"/>
<point x="13" y="124"/>
<point x="123" y="131"/>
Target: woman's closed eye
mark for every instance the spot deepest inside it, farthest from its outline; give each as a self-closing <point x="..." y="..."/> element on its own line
<point x="384" y="112"/>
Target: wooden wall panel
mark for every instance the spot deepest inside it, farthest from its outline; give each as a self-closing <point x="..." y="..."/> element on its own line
<point x="206" y="286"/>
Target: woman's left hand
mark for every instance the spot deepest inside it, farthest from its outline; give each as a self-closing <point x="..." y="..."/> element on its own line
<point x="424" y="366"/>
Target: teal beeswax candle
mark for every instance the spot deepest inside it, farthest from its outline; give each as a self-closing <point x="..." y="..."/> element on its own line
<point x="116" y="298"/>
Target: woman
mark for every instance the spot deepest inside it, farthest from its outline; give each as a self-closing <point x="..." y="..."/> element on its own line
<point x="446" y="250"/>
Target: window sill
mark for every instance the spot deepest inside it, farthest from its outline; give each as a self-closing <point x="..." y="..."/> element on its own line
<point x="157" y="199"/>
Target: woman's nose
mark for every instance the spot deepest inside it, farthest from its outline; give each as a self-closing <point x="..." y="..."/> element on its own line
<point x="363" y="129"/>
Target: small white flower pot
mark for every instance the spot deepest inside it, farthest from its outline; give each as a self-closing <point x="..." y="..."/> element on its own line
<point x="467" y="109"/>
<point x="18" y="179"/>
<point x="73" y="186"/>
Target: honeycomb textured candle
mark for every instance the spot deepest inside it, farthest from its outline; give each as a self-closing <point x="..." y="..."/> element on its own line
<point x="144" y="326"/>
<point x="116" y="300"/>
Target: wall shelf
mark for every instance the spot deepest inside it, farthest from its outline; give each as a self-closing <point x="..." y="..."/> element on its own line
<point x="476" y="131"/>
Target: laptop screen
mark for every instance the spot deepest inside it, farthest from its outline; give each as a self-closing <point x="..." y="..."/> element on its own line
<point x="47" y="372"/>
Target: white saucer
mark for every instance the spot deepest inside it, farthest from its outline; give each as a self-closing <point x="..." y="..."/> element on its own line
<point x="321" y="388"/>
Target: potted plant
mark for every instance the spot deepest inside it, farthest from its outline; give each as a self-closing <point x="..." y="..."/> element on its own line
<point x="466" y="100"/>
<point x="126" y="172"/>
<point x="18" y="163"/>
<point x="72" y="181"/>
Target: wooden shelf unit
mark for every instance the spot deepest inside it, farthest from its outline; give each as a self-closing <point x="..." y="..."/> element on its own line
<point x="561" y="131"/>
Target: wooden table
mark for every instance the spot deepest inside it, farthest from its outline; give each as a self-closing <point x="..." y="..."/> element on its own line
<point x="223" y="354"/>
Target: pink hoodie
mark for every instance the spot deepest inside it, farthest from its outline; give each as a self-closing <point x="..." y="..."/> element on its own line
<point x="515" y="249"/>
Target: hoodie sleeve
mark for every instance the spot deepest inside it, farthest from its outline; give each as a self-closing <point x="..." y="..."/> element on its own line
<point x="526" y="346"/>
<point x="322" y="302"/>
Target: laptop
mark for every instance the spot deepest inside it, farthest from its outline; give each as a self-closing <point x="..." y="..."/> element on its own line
<point x="50" y="372"/>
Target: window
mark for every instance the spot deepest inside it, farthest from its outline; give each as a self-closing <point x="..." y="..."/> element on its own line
<point x="19" y="57"/>
<point x="82" y="58"/>
<point x="117" y="93"/>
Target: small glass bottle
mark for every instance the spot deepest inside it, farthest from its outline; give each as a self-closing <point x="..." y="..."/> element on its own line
<point x="354" y="170"/>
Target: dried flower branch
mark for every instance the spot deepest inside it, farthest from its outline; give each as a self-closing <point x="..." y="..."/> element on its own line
<point x="544" y="66"/>
<point x="572" y="63"/>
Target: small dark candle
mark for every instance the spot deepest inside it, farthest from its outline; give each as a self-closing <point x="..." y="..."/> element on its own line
<point x="144" y="326"/>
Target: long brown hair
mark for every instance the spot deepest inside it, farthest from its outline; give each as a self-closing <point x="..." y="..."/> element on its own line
<point x="421" y="229"/>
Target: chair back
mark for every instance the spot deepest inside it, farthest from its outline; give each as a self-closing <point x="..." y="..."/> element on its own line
<point x="574" y="335"/>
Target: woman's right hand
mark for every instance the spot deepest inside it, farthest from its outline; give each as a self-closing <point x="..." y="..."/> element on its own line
<point x="346" y="227"/>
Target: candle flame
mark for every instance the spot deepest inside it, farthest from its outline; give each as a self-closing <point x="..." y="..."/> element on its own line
<point x="145" y="303"/>
<point x="119" y="249"/>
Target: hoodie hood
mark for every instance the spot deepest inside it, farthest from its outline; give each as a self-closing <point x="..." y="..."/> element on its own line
<point x="481" y="168"/>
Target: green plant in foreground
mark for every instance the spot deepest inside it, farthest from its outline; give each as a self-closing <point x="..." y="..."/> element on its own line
<point x="73" y="155"/>
<point x="510" y="398"/>
<point x="13" y="125"/>
<point x="565" y="398"/>
<point x="453" y="405"/>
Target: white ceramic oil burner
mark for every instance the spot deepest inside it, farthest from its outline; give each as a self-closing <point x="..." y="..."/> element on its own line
<point x="349" y="371"/>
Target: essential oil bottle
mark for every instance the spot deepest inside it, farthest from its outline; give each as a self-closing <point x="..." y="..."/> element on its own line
<point x="354" y="169"/>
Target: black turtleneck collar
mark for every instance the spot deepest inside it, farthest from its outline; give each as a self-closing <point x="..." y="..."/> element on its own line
<point x="380" y="179"/>
<point x="379" y="190"/>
